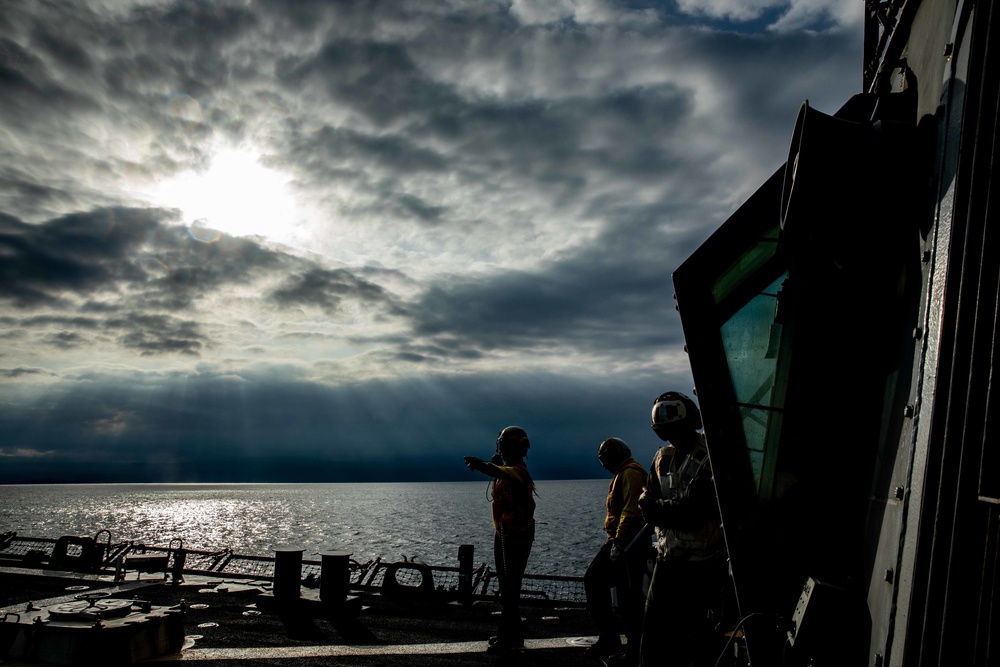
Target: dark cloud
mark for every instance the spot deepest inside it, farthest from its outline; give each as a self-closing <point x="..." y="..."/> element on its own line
<point x="67" y="340"/>
<point x="63" y="49"/>
<point x="121" y="274"/>
<point x="77" y="252"/>
<point x="25" y="79"/>
<point x="410" y="206"/>
<point x="159" y="334"/>
<point x="349" y="149"/>
<point x="108" y="250"/>
<point x="21" y="372"/>
<point x="613" y="297"/>
<point x="49" y="321"/>
<point x="378" y="80"/>
<point x="366" y="162"/>
<point x="328" y="290"/>
<point x="107" y="430"/>
<point x="26" y="194"/>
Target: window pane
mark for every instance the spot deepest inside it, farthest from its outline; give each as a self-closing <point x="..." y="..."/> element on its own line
<point x="747" y="264"/>
<point x="752" y="340"/>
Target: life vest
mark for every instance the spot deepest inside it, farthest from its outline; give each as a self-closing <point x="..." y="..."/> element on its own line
<point x="676" y="475"/>
<point x="617" y="510"/>
<point x="513" y="502"/>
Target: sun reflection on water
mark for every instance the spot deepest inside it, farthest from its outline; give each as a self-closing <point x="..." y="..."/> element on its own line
<point x="427" y="521"/>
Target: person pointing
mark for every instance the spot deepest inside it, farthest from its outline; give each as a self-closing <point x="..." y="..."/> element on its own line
<point x="513" y="506"/>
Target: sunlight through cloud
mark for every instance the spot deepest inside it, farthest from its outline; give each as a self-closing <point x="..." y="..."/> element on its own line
<point x="236" y="195"/>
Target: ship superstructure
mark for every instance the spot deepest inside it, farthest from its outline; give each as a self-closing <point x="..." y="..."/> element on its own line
<point x="842" y="333"/>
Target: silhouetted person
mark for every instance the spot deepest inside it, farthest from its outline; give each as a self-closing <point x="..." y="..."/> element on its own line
<point x="514" y="522"/>
<point x="611" y="567"/>
<point x="691" y="568"/>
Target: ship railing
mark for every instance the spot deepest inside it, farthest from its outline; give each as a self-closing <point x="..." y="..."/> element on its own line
<point x="408" y="576"/>
<point x="545" y="588"/>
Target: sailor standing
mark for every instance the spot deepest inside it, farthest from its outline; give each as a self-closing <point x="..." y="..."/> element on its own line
<point x="513" y="507"/>
<point x="612" y="567"/>
<point x="691" y="566"/>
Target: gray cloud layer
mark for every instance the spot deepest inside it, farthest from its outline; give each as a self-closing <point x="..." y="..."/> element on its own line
<point x="495" y="197"/>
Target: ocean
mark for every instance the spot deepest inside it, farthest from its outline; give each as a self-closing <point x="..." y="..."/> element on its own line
<point x="426" y="520"/>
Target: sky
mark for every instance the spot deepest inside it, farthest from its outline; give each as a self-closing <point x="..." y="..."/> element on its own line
<point x="352" y="240"/>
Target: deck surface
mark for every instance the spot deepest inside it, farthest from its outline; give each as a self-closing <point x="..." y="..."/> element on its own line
<point x="230" y="622"/>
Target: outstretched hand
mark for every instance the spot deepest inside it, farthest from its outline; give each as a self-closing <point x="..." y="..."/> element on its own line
<point x="474" y="463"/>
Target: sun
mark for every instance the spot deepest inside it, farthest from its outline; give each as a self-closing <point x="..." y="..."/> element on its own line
<point x="236" y="195"/>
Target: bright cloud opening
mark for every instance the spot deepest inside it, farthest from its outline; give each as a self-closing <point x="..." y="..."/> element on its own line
<point x="237" y="195"/>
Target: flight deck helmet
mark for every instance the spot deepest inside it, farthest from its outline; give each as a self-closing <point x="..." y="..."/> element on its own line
<point x="612" y="452"/>
<point x="673" y="412"/>
<point x="515" y="438"/>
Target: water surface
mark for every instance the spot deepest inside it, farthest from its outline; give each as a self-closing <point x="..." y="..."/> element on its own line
<point x="426" y="520"/>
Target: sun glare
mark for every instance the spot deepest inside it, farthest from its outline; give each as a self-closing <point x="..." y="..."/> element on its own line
<point x="236" y="195"/>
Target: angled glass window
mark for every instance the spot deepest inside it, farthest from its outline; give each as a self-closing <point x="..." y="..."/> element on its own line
<point x="752" y="341"/>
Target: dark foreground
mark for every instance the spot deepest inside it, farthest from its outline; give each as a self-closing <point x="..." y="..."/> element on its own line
<point x="230" y="622"/>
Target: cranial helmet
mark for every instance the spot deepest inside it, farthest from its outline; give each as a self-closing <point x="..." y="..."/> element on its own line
<point x="514" y="435"/>
<point x="614" y="448"/>
<point x="674" y="412"/>
<point x="613" y="451"/>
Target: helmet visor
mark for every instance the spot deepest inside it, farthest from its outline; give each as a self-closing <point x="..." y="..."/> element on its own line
<point x="667" y="411"/>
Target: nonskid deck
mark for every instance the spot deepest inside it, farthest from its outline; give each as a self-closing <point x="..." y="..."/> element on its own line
<point x="226" y="620"/>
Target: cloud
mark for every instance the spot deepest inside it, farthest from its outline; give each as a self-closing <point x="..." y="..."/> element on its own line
<point x="22" y="372"/>
<point x="24" y="453"/>
<point x="108" y="426"/>
<point x="781" y="15"/>
<point x="124" y="276"/>
<point x="158" y="334"/>
<point x="328" y="290"/>
<point x="76" y="253"/>
<point x="488" y="203"/>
